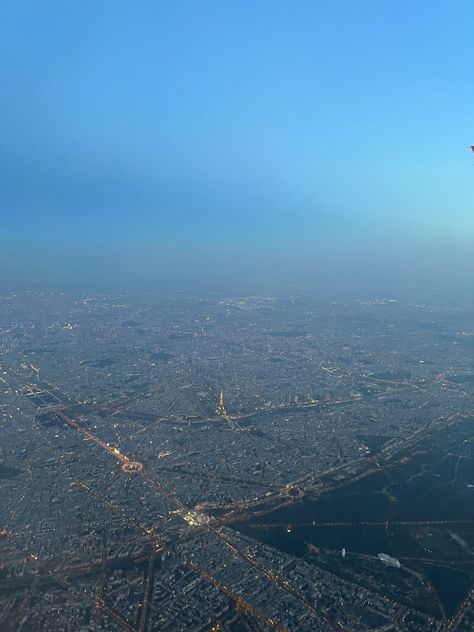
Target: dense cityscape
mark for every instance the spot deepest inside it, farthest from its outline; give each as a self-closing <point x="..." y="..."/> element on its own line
<point x="236" y="316"/>
<point x="200" y="461"/>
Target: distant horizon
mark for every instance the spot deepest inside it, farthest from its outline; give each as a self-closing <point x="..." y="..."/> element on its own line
<point x="449" y="295"/>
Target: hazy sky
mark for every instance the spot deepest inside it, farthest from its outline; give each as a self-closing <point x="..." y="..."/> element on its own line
<point x="211" y="140"/>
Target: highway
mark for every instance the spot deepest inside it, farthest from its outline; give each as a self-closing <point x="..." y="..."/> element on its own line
<point x="381" y="523"/>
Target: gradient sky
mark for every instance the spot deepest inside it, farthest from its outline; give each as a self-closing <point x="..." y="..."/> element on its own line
<point x="208" y="140"/>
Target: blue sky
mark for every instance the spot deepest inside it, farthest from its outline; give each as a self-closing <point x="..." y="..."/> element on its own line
<point x="198" y="139"/>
